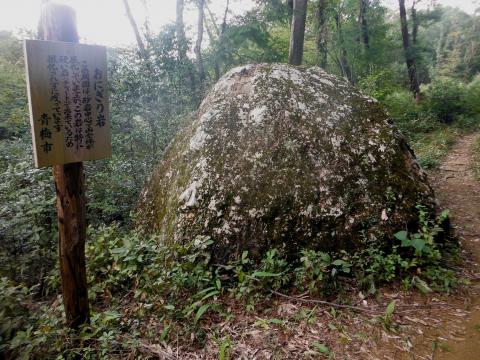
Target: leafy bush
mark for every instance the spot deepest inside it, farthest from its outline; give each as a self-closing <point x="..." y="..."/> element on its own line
<point x="27" y="215"/>
<point x="445" y="99"/>
<point x="410" y="118"/>
<point x="476" y="158"/>
<point x="380" y="84"/>
<point x="472" y="96"/>
<point x="411" y="257"/>
<point x="13" y="100"/>
<point x="319" y="272"/>
<point x="401" y="105"/>
<point x="14" y="315"/>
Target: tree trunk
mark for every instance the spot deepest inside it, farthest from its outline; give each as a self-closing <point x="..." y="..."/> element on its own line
<point x="415" y="23"/>
<point x="198" y="44"/>
<point x="299" y="17"/>
<point x="141" y="46"/>
<point x="321" y="38"/>
<point x="57" y="23"/>
<point x="224" y="22"/>
<point x="362" y="20"/>
<point x="219" y="58"/>
<point x="211" y="36"/>
<point x="344" y="65"/>
<point x="180" y="31"/>
<point x="409" y="56"/>
<point x="182" y="45"/>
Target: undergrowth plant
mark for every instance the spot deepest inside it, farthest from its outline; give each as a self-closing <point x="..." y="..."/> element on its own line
<point x="141" y="289"/>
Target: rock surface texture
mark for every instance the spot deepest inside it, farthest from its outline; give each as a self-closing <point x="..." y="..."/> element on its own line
<point x="284" y="156"/>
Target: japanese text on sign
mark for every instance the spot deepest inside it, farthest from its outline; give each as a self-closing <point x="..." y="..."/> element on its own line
<point x="68" y="99"/>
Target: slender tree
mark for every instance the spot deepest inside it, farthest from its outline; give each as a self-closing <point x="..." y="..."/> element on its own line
<point x="182" y="45"/>
<point x="342" y="59"/>
<point x="180" y="31"/>
<point x="224" y="22"/>
<point x="215" y="38"/>
<point x="322" y="32"/>
<point x="297" y="37"/>
<point x="409" y="55"/>
<point x="198" y="44"/>
<point x="415" y="22"/>
<point x="221" y="40"/>
<point x="141" y="46"/>
<point x="362" y="20"/>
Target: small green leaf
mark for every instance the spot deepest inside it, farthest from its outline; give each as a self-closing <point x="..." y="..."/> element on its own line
<point x="421" y="285"/>
<point x="264" y="274"/>
<point x="164" y="334"/>
<point x="401" y="235"/>
<point x="390" y="309"/>
<point x="332" y="326"/>
<point x="210" y="294"/>
<point x="111" y="315"/>
<point x="224" y="346"/>
<point x="321" y="348"/>
<point x="418" y="244"/>
<point x="201" y="310"/>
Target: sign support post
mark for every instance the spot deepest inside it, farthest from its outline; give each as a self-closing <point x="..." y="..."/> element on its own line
<point x="58" y="23"/>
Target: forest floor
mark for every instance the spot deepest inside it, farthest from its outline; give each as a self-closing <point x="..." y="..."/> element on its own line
<point x="451" y="332"/>
<point x="458" y="189"/>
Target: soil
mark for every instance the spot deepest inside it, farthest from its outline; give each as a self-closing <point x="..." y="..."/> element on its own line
<point x="451" y="331"/>
<point x="458" y="190"/>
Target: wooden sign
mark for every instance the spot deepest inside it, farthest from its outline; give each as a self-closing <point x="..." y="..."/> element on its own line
<point x="68" y="98"/>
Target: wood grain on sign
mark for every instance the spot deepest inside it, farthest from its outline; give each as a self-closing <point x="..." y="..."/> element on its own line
<point x="68" y="98"/>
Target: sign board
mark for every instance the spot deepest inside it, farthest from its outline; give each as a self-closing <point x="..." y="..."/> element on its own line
<point x="68" y="98"/>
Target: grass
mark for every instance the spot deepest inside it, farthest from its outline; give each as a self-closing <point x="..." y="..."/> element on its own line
<point x="476" y="159"/>
<point x="432" y="147"/>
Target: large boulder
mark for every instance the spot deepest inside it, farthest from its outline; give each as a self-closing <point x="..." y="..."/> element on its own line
<point x="285" y="156"/>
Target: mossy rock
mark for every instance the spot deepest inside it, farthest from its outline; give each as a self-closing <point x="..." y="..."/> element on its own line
<point x="281" y="156"/>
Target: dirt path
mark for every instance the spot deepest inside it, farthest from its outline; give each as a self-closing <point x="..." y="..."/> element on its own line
<point x="458" y="190"/>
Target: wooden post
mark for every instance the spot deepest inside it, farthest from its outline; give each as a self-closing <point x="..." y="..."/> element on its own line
<point x="58" y="23"/>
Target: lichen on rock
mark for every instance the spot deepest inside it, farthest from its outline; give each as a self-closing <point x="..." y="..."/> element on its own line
<point x="285" y="156"/>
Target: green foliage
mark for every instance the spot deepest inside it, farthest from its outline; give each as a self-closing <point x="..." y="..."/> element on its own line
<point x="27" y="215"/>
<point x="133" y="278"/>
<point x="472" y="97"/>
<point x="476" y="158"/>
<point x="387" y="318"/>
<point x="14" y="315"/>
<point x="455" y="37"/>
<point x="432" y="147"/>
<point x="13" y="102"/>
<point x="411" y="257"/>
<point x="319" y="272"/>
<point x="382" y="83"/>
<point x="225" y="349"/>
<point x="321" y="350"/>
<point x="445" y="99"/>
